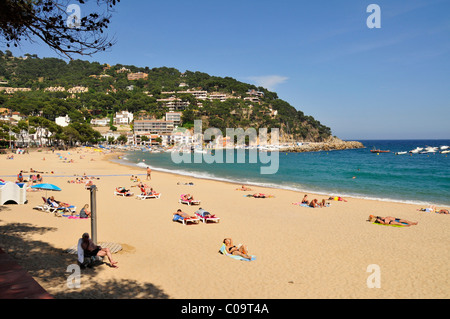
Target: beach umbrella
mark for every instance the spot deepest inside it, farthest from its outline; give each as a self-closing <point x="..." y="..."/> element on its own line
<point x="47" y="187"/>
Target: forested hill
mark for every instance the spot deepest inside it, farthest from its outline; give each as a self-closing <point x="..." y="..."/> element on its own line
<point x="110" y="90"/>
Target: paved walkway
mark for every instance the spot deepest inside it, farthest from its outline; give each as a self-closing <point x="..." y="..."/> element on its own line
<point x="16" y="283"/>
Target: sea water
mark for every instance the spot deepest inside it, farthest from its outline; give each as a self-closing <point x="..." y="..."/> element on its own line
<point x="412" y="178"/>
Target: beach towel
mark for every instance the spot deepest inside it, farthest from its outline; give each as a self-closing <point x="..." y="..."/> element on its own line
<point x="177" y="217"/>
<point x="223" y="251"/>
<point x="302" y="205"/>
<point x="389" y="225"/>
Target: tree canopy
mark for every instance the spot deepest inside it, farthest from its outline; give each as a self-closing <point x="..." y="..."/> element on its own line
<point x="57" y="23"/>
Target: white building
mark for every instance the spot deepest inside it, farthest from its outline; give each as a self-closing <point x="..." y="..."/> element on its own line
<point x="123" y="118"/>
<point x="100" y="122"/>
<point x="181" y="137"/>
<point x="175" y="117"/>
<point x="63" y="121"/>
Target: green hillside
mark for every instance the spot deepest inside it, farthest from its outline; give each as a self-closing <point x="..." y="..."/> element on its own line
<point x="110" y="91"/>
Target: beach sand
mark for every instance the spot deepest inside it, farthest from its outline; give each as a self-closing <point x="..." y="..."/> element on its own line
<point x="300" y="252"/>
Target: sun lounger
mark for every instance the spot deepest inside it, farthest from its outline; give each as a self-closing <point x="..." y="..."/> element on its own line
<point x="44" y="207"/>
<point x="206" y="216"/>
<point x="223" y="251"/>
<point x="118" y="192"/>
<point x="189" y="202"/>
<point x="145" y="195"/>
<point x="185" y="221"/>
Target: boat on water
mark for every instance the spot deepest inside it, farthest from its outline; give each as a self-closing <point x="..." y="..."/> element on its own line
<point x="374" y="150"/>
<point x="416" y="150"/>
<point x="401" y="153"/>
<point x="445" y="152"/>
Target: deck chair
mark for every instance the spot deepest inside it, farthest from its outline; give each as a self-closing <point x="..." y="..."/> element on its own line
<point x="185" y="221"/>
<point x="60" y="209"/>
<point x="44" y="207"/>
<point x="189" y="202"/>
<point x="206" y="216"/>
<point x="145" y="195"/>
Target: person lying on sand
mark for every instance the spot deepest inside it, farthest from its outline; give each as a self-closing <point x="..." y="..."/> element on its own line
<point x="239" y="250"/>
<point x="260" y="195"/>
<point x="433" y="209"/>
<point x="337" y="198"/>
<point x="390" y="221"/>
<point x="244" y="189"/>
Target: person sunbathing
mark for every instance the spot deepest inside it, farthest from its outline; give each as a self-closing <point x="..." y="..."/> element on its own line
<point x="314" y="203"/>
<point x="239" y="250"/>
<point x="180" y="213"/>
<point x="55" y="203"/>
<point x="122" y="190"/>
<point x="260" y="195"/>
<point x="433" y="209"/>
<point x="305" y="200"/>
<point x="390" y="221"/>
<point x="188" y="197"/>
<point x="337" y="198"/>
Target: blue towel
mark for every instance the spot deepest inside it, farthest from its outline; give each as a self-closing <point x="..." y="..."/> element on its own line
<point x="177" y="217"/>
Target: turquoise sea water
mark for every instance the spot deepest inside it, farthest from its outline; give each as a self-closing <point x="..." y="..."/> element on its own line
<point x="416" y="178"/>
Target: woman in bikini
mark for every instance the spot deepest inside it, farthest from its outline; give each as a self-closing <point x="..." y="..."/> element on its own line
<point x="391" y="221"/>
<point x="239" y="250"/>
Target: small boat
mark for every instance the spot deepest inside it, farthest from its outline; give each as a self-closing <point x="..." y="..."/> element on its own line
<point x="445" y="152"/>
<point x="401" y="153"/>
<point x="379" y="151"/>
<point x="416" y="150"/>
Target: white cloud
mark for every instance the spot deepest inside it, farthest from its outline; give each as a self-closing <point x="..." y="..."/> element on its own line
<point x="268" y="81"/>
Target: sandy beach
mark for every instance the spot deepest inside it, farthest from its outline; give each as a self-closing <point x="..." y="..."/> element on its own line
<point x="300" y="252"/>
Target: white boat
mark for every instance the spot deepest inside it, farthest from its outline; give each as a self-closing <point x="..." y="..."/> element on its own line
<point x="445" y="152"/>
<point x="416" y="150"/>
<point x="430" y="149"/>
<point x="444" y="147"/>
<point x="401" y="153"/>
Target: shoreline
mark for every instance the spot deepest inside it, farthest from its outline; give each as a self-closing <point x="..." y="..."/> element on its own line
<point x="301" y="253"/>
<point x="127" y="163"/>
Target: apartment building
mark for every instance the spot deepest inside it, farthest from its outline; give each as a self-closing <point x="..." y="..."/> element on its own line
<point x="175" y="117"/>
<point x="148" y="127"/>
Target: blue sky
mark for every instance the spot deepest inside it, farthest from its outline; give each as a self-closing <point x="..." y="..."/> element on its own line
<point x="320" y="56"/>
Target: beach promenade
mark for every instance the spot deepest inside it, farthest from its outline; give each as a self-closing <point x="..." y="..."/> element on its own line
<point x="300" y="252"/>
